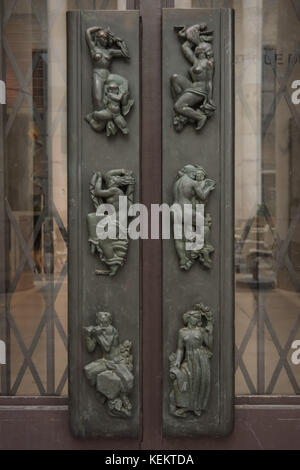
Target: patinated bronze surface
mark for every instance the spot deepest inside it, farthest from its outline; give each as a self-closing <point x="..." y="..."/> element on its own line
<point x="106" y="189"/>
<point x="111" y="374"/>
<point x="104" y="273"/>
<point x="190" y="364"/>
<point x="193" y="93"/>
<point x="198" y="170"/>
<point x="110" y="92"/>
<point x="193" y="187"/>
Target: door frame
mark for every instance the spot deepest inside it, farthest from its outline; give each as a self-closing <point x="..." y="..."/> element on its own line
<point x="261" y="422"/>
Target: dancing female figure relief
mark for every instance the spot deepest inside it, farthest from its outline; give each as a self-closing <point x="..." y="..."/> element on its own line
<point x="190" y="364"/>
<point x="107" y="188"/>
<point x="110" y="92"/>
<point x="193" y="95"/>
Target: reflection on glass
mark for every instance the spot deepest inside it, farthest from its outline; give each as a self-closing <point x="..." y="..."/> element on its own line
<point x="36" y="190"/>
<point x="267" y="193"/>
<point x="267" y="204"/>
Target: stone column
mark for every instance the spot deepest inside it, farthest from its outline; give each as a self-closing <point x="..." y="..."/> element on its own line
<point x="57" y="118"/>
<point x="248" y="107"/>
<point x="286" y="45"/>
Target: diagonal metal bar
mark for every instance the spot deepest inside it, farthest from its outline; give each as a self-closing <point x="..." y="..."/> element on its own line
<point x="60" y="224"/>
<point x="9" y="9"/>
<point x="260" y="334"/>
<point x="42" y="324"/>
<point x="36" y="115"/>
<point x="293" y="273"/>
<point x="30" y="245"/>
<point x="57" y="288"/>
<point x="61" y="279"/>
<point x="247" y="377"/>
<point x="23" y="348"/>
<point x="39" y="330"/>
<point x="246" y="338"/>
<point x="282" y="356"/>
<point x="281" y="92"/>
<point x="296" y="6"/>
<point x="29" y="354"/>
<point x="50" y="291"/>
<point x="270" y="55"/>
<point x="60" y="330"/>
<point x="21" y="240"/>
<point x="246" y="106"/>
<point x="50" y="330"/>
<point x="62" y="382"/>
<point x="14" y="64"/>
<point x="282" y="246"/>
<point x="39" y="9"/>
<point x="28" y="258"/>
<point x="281" y="259"/>
<point x="24" y="83"/>
<point x="240" y="351"/>
<point x="246" y="231"/>
<point x="59" y="114"/>
<point x="14" y="111"/>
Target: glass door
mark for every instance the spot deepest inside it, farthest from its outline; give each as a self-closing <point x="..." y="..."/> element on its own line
<point x="33" y="216"/>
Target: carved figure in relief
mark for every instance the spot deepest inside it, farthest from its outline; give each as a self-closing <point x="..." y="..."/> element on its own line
<point x="194" y="187"/>
<point x="106" y="189"/>
<point x="193" y="95"/>
<point x="112" y="112"/>
<point x="190" y="368"/>
<point x="110" y="92"/>
<point x="111" y="374"/>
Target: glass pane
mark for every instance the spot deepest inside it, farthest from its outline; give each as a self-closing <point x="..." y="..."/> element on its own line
<point x="267" y="200"/>
<point x="267" y="138"/>
<point x="34" y="48"/>
<point x="267" y="193"/>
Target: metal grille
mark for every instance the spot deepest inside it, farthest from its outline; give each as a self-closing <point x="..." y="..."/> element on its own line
<point x="268" y="281"/>
<point x="268" y="284"/>
<point x="267" y="305"/>
<point x="36" y="297"/>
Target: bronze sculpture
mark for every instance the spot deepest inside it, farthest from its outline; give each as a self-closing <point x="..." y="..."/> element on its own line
<point x="190" y="365"/>
<point x="193" y="97"/>
<point x="111" y="375"/>
<point x="107" y="188"/>
<point x="194" y="187"/>
<point x="110" y="92"/>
